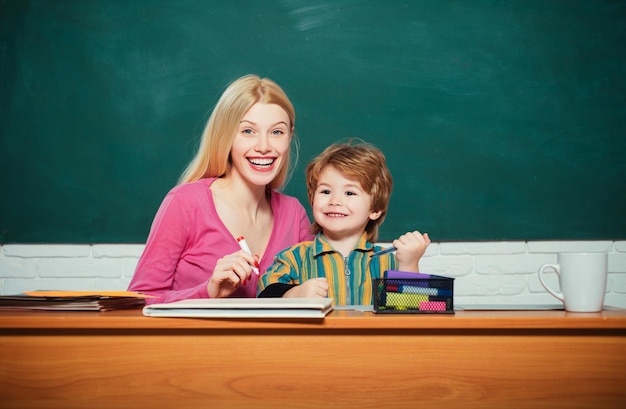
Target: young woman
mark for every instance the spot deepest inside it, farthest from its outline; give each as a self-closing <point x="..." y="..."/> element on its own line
<point x="228" y="191"/>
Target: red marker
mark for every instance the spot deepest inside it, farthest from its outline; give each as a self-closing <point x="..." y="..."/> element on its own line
<point x="244" y="247"/>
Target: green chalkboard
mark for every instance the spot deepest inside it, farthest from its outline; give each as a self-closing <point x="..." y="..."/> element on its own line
<point x="501" y="120"/>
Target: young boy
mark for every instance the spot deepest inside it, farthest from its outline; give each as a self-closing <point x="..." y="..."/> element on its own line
<point x="349" y="186"/>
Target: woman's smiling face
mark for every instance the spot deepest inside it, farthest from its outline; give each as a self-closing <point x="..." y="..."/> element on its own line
<point x="262" y="140"/>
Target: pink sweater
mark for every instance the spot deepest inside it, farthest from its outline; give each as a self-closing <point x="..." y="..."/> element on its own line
<point x="188" y="237"/>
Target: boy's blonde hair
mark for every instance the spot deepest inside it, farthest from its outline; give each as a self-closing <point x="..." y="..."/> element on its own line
<point x="361" y="162"/>
<point x="213" y="156"/>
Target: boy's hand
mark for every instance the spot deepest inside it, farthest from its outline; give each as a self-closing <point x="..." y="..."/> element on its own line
<point x="410" y="247"/>
<point x="313" y="288"/>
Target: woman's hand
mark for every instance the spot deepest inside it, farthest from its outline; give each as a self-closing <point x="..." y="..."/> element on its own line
<point x="313" y="288"/>
<point x="230" y="272"/>
<point x="411" y="247"/>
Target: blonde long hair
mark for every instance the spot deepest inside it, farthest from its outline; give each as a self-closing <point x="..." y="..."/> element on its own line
<point x="213" y="156"/>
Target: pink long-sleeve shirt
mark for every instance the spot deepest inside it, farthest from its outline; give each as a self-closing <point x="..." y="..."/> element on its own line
<point x="187" y="238"/>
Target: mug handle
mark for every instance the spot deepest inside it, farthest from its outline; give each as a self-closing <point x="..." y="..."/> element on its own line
<point x="557" y="270"/>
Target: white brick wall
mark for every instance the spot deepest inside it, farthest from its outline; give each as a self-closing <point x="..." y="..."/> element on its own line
<point x="485" y="272"/>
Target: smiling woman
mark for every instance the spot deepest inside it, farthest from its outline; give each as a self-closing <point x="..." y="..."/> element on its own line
<point x="226" y="192"/>
<point x="262" y="143"/>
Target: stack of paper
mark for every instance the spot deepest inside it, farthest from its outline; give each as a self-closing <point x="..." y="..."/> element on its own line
<point x="73" y="300"/>
<point x="243" y="308"/>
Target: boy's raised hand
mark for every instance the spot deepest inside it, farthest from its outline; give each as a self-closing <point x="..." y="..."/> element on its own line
<point x="411" y="247"/>
<point x="313" y="288"/>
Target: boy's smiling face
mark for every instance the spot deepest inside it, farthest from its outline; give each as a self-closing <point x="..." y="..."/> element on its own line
<point x="340" y="206"/>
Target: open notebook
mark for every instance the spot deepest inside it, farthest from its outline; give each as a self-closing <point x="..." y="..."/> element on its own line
<point x="243" y="308"/>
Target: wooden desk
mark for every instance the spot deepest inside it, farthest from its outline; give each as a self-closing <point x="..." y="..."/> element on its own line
<point x="479" y="359"/>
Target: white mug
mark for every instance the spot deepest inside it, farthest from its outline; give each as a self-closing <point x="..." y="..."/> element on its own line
<point x="582" y="278"/>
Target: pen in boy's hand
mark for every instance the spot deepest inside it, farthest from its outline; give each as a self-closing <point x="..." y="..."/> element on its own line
<point x="385" y="251"/>
<point x="244" y="247"/>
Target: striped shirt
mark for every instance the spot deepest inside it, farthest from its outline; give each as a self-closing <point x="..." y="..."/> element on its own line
<point x="349" y="279"/>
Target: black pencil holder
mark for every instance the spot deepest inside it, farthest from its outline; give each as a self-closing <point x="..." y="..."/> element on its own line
<point x="431" y="295"/>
